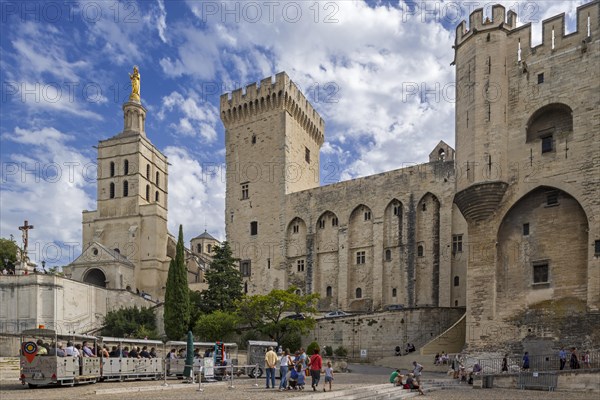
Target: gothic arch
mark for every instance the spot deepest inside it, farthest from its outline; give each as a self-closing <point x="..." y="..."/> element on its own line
<point x="542" y="249"/>
<point x="326" y="267"/>
<point x="427" y="266"/>
<point x="296" y="237"/>
<point x="551" y="119"/>
<point x="95" y="276"/>
<point x="360" y="250"/>
<point x="393" y="256"/>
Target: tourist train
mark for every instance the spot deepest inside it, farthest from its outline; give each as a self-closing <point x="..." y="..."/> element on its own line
<point x="50" y="358"/>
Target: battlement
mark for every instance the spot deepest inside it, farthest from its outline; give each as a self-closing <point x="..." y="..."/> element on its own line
<point x="283" y="94"/>
<point x="553" y="28"/>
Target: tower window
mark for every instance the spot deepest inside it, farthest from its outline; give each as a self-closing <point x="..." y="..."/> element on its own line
<point x="540" y="78"/>
<point x="396" y="210"/>
<point x="126" y="167"/>
<point x="394" y="292"/>
<point x="360" y="257"/>
<point x="541" y="273"/>
<point x="547" y="144"/>
<point x="358" y="293"/>
<point x="112" y="169"/>
<point x="300" y="265"/>
<point x="525" y="229"/>
<point x="245" y="191"/>
<point x="420" y="251"/>
<point x="245" y="287"/>
<point x="112" y="190"/>
<point x="552" y="198"/>
<point x="367" y="215"/>
<point x="388" y="255"/>
<point x="156" y="196"/>
<point x="208" y="248"/>
<point x="253" y="139"/>
<point x="424" y="207"/>
<point x="125" y="189"/>
<point x="245" y="268"/>
<point x="147" y="192"/>
<point x="597" y="248"/>
<point x="457" y="244"/>
<point x="198" y="248"/>
<point x="148" y="171"/>
<point x="329" y="291"/>
<point x="322" y="223"/>
<point x="157" y="178"/>
<point x="456" y="281"/>
<point x="334" y="221"/>
<point x="307" y="154"/>
<point x="295" y="228"/>
<point x="254" y="228"/>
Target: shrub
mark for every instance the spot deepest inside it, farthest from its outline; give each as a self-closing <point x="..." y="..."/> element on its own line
<point x="292" y="341"/>
<point x="311" y="348"/>
<point x="341" y="351"/>
<point x="328" y="351"/>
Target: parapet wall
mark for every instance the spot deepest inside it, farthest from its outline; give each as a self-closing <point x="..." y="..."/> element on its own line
<point x="553" y="29"/>
<point x="239" y="106"/>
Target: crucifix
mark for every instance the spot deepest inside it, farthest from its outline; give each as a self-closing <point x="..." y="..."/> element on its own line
<point x="25" y="228"/>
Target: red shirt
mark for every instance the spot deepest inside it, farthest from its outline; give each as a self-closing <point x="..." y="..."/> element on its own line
<point x="316" y="362"/>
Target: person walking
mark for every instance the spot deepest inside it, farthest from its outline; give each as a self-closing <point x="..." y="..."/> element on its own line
<point x="284" y="365"/>
<point x="562" y="355"/>
<point x="417" y="372"/>
<point x="316" y="364"/>
<point x="328" y="376"/>
<point x="505" y="363"/>
<point x="526" y="361"/>
<point x="270" y="363"/>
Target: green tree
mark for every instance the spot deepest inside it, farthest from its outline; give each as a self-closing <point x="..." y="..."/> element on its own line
<point x="224" y="282"/>
<point x="8" y="253"/>
<point x="130" y="322"/>
<point x="265" y="313"/>
<point x="218" y="326"/>
<point x="177" y="298"/>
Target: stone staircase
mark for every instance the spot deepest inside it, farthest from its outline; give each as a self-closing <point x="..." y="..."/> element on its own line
<point x="9" y="368"/>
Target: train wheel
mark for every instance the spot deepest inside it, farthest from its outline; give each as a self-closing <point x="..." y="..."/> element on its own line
<point x="256" y="372"/>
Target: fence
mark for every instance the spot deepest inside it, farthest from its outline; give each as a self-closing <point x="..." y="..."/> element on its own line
<point x="537" y="363"/>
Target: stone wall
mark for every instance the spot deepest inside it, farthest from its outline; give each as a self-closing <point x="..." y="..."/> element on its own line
<point x="568" y="381"/>
<point x="380" y="333"/>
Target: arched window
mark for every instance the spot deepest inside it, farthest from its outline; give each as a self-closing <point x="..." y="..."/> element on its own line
<point x="126" y="167"/>
<point x="329" y="291"/>
<point x="552" y="119"/>
<point x="156" y="196"/>
<point x="246" y="287"/>
<point x="112" y="169"/>
<point x="441" y="155"/>
<point x="148" y="171"/>
<point x="298" y="292"/>
<point x="147" y="192"/>
<point x="358" y="293"/>
<point x="208" y="248"/>
<point x="420" y="251"/>
<point x="157" y="178"/>
<point x="456" y="281"/>
<point x="388" y="255"/>
<point x="455" y="303"/>
<point x="125" y="188"/>
<point x="198" y="248"/>
<point x="394" y="292"/>
<point x="112" y="190"/>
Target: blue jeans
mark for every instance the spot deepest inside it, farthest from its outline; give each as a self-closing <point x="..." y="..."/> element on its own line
<point x="271" y="374"/>
<point x="283" y="372"/>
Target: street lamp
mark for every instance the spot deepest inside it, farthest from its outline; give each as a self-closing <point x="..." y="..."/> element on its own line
<point x="44" y="266"/>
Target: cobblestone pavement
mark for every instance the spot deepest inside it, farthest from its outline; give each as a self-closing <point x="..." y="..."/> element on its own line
<point x="244" y="389"/>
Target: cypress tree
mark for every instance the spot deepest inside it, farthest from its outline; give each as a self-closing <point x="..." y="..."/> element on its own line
<point x="177" y="298"/>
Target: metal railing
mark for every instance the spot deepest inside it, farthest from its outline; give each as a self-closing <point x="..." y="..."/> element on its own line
<point x="544" y="362"/>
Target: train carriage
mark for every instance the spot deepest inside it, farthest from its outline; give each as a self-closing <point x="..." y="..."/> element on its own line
<point x="44" y="363"/>
<point x="119" y="368"/>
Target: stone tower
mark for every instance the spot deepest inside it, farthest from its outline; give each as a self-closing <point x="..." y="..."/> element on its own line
<point x="526" y="136"/>
<point x="125" y="239"/>
<point x="272" y="136"/>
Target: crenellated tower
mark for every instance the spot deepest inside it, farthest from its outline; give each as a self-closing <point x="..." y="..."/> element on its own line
<point x="526" y="133"/>
<point x="272" y="136"/>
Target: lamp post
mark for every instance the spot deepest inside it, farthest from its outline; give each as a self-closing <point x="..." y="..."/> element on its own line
<point x="44" y="266"/>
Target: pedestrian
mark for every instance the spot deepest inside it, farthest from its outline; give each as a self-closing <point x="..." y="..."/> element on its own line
<point x="284" y="365"/>
<point x="562" y="355"/>
<point x="586" y="359"/>
<point x="505" y="363"/>
<point x="417" y="371"/>
<point x="526" y="361"/>
<point x="316" y="364"/>
<point x="328" y="376"/>
<point x="270" y="363"/>
<point x="574" y="361"/>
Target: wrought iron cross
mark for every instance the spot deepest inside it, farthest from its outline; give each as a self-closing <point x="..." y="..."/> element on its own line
<point x="25" y="228"/>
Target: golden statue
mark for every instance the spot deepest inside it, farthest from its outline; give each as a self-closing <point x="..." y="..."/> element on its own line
<point x="135" y="85"/>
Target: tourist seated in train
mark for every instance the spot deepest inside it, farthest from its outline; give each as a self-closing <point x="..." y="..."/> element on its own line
<point x="133" y="353"/>
<point x="52" y="349"/>
<point x="71" y="350"/>
<point x="153" y="353"/>
<point x="114" y="352"/>
<point x="86" y="350"/>
<point x="60" y="350"/>
<point x="42" y="350"/>
<point x="181" y="353"/>
<point x="208" y="352"/>
<point x="172" y="354"/>
<point x="125" y="352"/>
<point x="144" y="353"/>
<point x="197" y="353"/>
<point x="104" y="352"/>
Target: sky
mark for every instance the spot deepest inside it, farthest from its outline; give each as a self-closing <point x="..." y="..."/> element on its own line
<point x="378" y="72"/>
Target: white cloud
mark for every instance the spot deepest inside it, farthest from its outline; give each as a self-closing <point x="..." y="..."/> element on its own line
<point x="196" y="195"/>
<point x="199" y="117"/>
<point x="161" y="21"/>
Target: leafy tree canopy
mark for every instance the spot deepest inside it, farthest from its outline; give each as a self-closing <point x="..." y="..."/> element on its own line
<point x="217" y="326"/>
<point x="130" y="322"/>
<point x="266" y="313"/>
<point x="224" y="282"/>
<point x="8" y="253"/>
<point x="177" y="298"/>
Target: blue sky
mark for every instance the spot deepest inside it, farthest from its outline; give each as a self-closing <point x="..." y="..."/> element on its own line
<point x="64" y="71"/>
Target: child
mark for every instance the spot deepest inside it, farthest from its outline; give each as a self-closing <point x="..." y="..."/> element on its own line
<point x="301" y="377"/>
<point x="328" y="376"/>
<point x="293" y="381"/>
